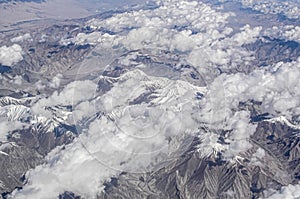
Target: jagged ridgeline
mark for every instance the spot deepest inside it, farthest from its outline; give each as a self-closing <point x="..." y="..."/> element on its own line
<point x="170" y="99"/>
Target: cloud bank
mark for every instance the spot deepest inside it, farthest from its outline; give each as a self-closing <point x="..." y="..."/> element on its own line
<point x="287" y="33"/>
<point x="199" y="34"/>
<point x="123" y="133"/>
<point x="290" y="9"/>
<point x="141" y="120"/>
<point x="133" y="136"/>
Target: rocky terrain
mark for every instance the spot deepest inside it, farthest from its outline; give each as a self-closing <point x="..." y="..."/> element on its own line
<point x="171" y="99"/>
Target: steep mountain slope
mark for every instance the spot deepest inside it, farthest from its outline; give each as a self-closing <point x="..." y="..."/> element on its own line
<point x="174" y="99"/>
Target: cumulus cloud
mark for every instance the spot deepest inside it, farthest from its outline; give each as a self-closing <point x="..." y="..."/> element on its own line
<point x="10" y="118"/>
<point x="290" y="9"/>
<point x="55" y="83"/>
<point x="21" y="38"/>
<point x="287" y="192"/>
<point x="74" y="170"/>
<point x="83" y="38"/>
<point x="288" y="33"/>
<point x="39" y="85"/>
<point x="17" y="80"/>
<point x="8" y="126"/>
<point x="43" y="38"/>
<point x="200" y="33"/>
<point x="10" y="55"/>
<point x="134" y="135"/>
<point x="129" y="136"/>
<point x="141" y="118"/>
<point x="276" y="88"/>
<point x="258" y="156"/>
<point x="73" y="93"/>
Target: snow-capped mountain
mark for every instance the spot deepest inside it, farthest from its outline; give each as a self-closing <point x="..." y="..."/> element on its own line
<point x="167" y="99"/>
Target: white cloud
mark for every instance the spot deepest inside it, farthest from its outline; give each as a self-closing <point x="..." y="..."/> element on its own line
<point x="260" y="153"/>
<point x="10" y="118"/>
<point x="73" y="169"/>
<point x="55" y="83"/>
<point x="133" y="137"/>
<point x="17" y="80"/>
<point x="39" y="85"/>
<point x="247" y="35"/>
<point x="290" y="9"/>
<point x="258" y="156"/>
<point x="141" y="118"/>
<point x="293" y="34"/>
<point x="275" y="88"/>
<point x="200" y="33"/>
<point x="43" y="38"/>
<point x="288" y="33"/>
<point x="73" y="93"/>
<point x="21" y="38"/>
<point x="286" y="192"/>
<point x="242" y="129"/>
<point x="8" y="126"/>
<point x="10" y="55"/>
<point x="128" y="137"/>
